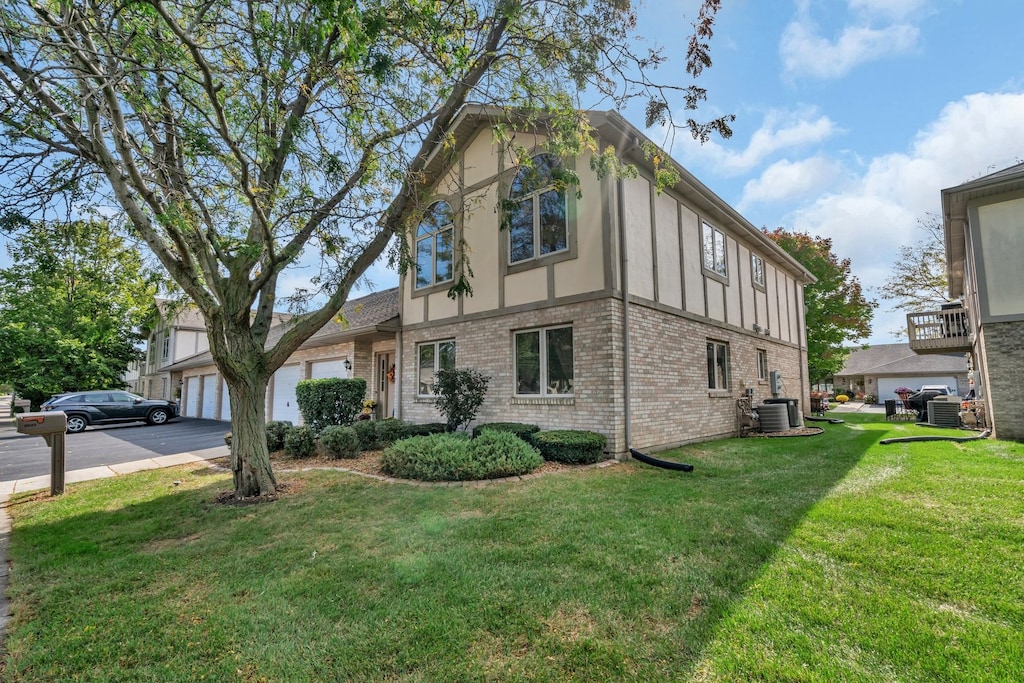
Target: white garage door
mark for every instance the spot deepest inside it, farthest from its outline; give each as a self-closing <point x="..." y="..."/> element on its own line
<point x="322" y="369"/>
<point x="284" y="406"/>
<point x="887" y="385"/>
<point x="209" y="396"/>
<point x="191" y="401"/>
<point x="225" y="402"/>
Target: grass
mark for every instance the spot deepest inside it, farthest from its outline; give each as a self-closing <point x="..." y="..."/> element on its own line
<point x="819" y="559"/>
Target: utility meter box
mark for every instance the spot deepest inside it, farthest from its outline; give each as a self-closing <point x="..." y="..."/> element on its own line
<point x="42" y="424"/>
<point x="775" y="382"/>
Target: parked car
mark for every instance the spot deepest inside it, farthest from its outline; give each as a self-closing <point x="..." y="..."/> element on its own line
<point x="85" y="408"/>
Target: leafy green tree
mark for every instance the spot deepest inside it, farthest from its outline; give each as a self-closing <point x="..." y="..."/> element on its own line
<point x="237" y="135"/>
<point x="837" y="311"/>
<point x="919" y="281"/>
<point x="71" y="308"/>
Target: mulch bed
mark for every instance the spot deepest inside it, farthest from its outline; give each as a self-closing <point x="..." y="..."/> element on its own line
<point x="799" y="431"/>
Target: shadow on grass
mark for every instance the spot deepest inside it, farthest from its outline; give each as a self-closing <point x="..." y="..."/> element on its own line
<point x="608" y="574"/>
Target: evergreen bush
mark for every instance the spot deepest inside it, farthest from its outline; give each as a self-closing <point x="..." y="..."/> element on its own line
<point x="277" y="430"/>
<point x="390" y="431"/>
<point x="366" y="432"/>
<point x="330" y="401"/>
<point x="340" y="442"/>
<point x="572" y="446"/>
<point x="300" y="442"/>
<point x="454" y="457"/>
<point x="522" y="430"/>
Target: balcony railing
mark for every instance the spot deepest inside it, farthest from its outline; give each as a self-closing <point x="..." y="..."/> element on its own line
<point x="939" y="331"/>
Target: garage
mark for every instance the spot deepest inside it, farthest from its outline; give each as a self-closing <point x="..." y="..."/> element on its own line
<point x="887" y="385"/>
<point x="209" y="402"/>
<point x="191" y="402"/>
<point x="322" y="369"/>
<point x="225" y="402"/>
<point x="284" y="406"/>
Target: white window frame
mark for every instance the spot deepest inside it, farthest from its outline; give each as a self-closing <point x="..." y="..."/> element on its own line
<point x="165" y="346"/>
<point x="535" y="196"/>
<point x="433" y="237"/>
<point x="437" y="362"/>
<point x="762" y="365"/>
<point x="713" y="249"/>
<point x="545" y="389"/>
<point x="757" y="271"/>
<point x="718" y="352"/>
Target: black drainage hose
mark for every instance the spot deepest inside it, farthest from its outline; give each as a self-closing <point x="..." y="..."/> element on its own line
<point x="665" y="464"/>
<point x="830" y="420"/>
<point x="958" y="439"/>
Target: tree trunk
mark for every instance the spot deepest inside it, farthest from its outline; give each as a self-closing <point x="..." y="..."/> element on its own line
<point x="250" y="459"/>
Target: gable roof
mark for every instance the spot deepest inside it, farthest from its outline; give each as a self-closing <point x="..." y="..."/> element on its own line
<point x="374" y="315"/>
<point x="898" y="359"/>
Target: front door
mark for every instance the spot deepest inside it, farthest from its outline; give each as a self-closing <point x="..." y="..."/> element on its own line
<point x="385" y="384"/>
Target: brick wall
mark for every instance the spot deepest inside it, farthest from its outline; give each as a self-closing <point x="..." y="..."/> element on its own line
<point x="1004" y="352"/>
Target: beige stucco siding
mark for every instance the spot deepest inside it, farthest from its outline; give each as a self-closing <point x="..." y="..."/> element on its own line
<point x="441" y="306"/>
<point x="739" y="276"/>
<point x="693" y="280"/>
<point x="639" y="242"/>
<point x="747" y="290"/>
<point x="483" y="249"/>
<point x="480" y="158"/>
<point x="670" y="278"/>
<point x="715" y="299"/>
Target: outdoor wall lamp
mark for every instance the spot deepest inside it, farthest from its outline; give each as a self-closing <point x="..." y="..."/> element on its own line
<point x="348" y="364"/>
<point x="757" y="328"/>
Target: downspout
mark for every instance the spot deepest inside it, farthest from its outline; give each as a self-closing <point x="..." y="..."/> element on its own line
<point x="624" y="281"/>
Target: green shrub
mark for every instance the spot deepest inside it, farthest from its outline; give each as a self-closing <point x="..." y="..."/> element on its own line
<point x="390" y="431"/>
<point x="458" y="395"/>
<point x="572" y="446"/>
<point x="340" y="442"/>
<point x="330" y="401"/>
<point x="520" y="429"/>
<point x="277" y="430"/>
<point x="426" y="429"/>
<point x="366" y="432"/>
<point x="300" y="442"/>
<point x="454" y="457"/>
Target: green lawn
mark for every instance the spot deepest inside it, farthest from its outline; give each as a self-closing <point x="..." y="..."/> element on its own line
<point x="828" y="558"/>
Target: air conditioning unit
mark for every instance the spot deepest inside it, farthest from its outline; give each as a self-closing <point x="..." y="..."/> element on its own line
<point x="944" y="413"/>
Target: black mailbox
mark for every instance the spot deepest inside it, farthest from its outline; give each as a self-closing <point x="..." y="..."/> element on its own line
<point x="51" y="425"/>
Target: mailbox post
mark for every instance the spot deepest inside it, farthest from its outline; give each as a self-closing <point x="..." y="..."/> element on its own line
<point x="52" y="426"/>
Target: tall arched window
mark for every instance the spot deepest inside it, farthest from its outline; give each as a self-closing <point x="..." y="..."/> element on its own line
<point x="435" y="245"/>
<point x="537" y="220"/>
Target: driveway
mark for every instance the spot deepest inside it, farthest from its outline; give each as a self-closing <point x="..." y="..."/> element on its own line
<point x="23" y="456"/>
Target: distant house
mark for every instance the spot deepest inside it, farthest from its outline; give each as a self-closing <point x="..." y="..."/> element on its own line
<point x="880" y="369"/>
<point x="177" y="333"/>
<point x="983" y="221"/>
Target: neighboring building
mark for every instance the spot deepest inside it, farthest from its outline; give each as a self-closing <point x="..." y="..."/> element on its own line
<point x="637" y="314"/>
<point x="983" y="222"/>
<point x="361" y="343"/>
<point x="179" y="332"/>
<point x="880" y="369"/>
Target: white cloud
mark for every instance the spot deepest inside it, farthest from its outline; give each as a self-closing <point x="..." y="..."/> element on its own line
<point x="805" y="52"/>
<point x="874" y="214"/>
<point x="780" y="130"/>
<point x="789" y="180"/>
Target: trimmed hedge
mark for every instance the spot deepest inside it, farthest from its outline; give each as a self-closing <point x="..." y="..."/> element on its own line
<point x="366" y="432"/>
<point x="390" y="431"/>
<point x="330" y="401"/>
<point x="454" y="457"/>
<point x="571" y="446"/>
<point x="522" y="430"/>
<point x="277" y="430"/>
<point x="426" y="429"/>
<point x="340" y="442"/>
<point x="300" y="442"/>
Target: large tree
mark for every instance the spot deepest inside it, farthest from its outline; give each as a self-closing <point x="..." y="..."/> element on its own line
<point x="837" y="311"/>
<point x="919" y="281"/>
<point x="235" y="134"/>
<point x="71" y="307"/>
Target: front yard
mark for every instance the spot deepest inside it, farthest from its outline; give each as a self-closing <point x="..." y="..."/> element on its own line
<point x="823" y="558"/>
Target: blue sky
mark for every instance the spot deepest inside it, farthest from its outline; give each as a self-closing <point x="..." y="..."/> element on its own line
<point x="852" y="115"/>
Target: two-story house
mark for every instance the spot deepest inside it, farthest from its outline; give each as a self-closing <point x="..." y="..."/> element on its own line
<point x="608" y="306"/>
<point x="177" y="333"/>
<point x="983" y="221"/>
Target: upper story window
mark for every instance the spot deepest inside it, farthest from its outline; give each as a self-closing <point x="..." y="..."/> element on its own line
<point x="435" y="245"/>
<point x="165" y="352"/>
<point x="757" y="270"/>
<point x="714" y="251"/>
<point x="431" y="358"/>
<point x="537" y="211"/>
